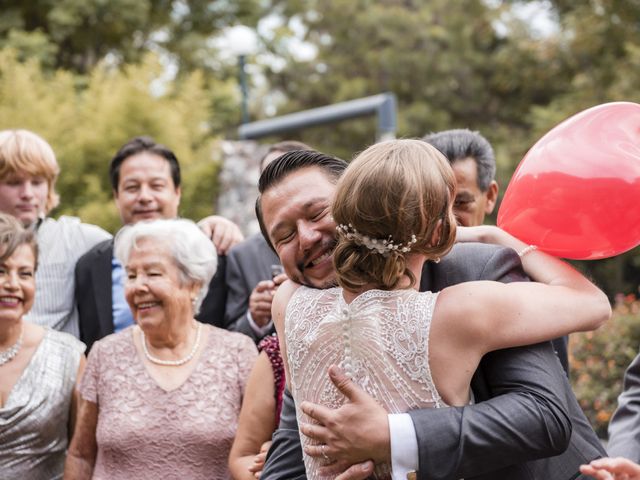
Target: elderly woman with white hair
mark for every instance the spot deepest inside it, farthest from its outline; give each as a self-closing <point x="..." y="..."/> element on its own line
<point x="161" y="399"/>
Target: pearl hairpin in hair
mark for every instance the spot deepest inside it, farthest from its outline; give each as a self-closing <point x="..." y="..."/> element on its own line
<point x="381" y="246"/>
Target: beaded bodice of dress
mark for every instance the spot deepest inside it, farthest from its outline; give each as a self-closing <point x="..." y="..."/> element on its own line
<point x="381" y="340"/>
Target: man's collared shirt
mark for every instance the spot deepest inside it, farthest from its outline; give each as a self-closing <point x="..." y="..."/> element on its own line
<point x="122" y="316"/>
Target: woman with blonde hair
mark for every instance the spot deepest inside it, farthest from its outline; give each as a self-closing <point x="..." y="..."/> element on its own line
<point x="38" y="369"/>
<point x="410" y="350"/>
<point x="28" y="173"/>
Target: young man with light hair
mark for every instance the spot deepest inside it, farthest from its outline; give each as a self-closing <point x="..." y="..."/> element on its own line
<point x="28" y="173"/>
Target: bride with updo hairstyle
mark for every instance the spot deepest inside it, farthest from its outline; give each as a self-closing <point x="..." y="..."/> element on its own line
<point x="386" y="197"/>
<point x="409" y="349"/>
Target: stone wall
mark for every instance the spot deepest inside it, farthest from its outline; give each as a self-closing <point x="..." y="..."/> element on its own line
<point x="239" y="183"/>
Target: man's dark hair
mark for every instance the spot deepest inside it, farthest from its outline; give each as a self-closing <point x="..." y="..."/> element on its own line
<point x="459" y="144"/>
<point x="138" y="145"/>
<point x="291" y="162"/>
<point x="284" y="146"/>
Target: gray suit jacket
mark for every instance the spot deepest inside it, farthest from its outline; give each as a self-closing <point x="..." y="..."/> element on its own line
<point x="624" y="429"/>
<point x="525" y="411"/>
<point x="247" y="264"/>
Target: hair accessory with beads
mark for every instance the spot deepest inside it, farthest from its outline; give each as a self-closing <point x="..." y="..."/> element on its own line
<point x="383" y="247"/>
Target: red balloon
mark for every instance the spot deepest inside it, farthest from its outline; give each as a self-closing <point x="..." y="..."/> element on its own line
<point x="576" y="193"/>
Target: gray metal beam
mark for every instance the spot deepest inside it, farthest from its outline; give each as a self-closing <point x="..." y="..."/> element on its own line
<point x="382" y="105"/>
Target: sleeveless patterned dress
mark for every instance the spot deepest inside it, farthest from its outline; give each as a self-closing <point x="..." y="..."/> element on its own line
<point x="381" y="340"/>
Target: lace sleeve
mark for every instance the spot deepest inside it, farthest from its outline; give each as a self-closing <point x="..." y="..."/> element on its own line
<point x="89" y="383"/>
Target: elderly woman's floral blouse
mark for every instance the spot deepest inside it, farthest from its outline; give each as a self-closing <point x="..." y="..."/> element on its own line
<point x="145" y="431"/>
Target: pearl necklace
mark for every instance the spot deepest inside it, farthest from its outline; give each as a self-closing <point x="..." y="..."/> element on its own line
<point x="171" y="363"/>
<point x="9" y="354"/>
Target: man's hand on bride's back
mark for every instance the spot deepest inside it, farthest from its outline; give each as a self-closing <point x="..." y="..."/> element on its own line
<point x="354" y="436"/>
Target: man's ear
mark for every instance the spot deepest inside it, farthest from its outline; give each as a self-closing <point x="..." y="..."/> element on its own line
<point x="492" y="197"/>
<point x="115" y="194"/>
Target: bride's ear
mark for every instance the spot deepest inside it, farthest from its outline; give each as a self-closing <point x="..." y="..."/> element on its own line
<point x="437" y="234"/>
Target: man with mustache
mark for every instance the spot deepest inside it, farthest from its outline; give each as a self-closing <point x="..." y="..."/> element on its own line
<point x="525" y="414"/>
<point x="250" y="276"/>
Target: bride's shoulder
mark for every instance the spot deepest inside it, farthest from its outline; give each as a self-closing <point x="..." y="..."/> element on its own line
<point x="288" y="287"/>
<point x="283" y="293"/>
<point x="306" y="296"/>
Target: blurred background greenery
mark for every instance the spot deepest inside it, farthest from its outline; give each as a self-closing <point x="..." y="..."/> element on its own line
<point x="90" y="74"/>
<point x="599" y="359"/>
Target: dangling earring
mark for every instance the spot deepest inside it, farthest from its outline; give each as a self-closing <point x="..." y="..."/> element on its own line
<point x="436" y="260"/>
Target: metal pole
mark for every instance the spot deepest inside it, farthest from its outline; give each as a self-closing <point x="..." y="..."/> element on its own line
<point x="382" y="105"/>
<point x="243" y="89"/>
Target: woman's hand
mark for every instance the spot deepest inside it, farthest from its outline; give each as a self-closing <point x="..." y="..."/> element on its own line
<point x="259" y="459"/>
<point x="612" y="469"/>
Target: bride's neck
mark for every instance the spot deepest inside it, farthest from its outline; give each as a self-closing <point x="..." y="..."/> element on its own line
<point x="415" y="263"/>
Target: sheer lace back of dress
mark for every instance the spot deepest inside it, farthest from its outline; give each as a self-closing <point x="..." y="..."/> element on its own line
<point x="380" y="340"/>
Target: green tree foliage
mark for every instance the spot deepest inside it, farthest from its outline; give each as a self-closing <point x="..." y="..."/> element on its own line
<point x="87" y="125"/>
<point x="451" y="64"/>
<point x="78" y="34"/>
<point x="468" y="64"/>
<point x="601" y="58"/>
<point x="445" y="61"/>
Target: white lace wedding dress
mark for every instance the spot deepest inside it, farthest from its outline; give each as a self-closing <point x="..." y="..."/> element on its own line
<point x="380" y="340"/>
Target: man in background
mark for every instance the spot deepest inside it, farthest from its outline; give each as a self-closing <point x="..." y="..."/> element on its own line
<point x="254" y="271"/>
<point x="624" y="428"/>
<point x="474" y="165"/>
<point x="145" y="178"/>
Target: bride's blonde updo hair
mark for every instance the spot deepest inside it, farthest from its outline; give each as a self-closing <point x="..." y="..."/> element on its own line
<point x="399" y="191"/>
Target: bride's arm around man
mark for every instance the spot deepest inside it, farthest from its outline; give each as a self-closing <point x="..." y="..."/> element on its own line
<point x="525" y="408"/>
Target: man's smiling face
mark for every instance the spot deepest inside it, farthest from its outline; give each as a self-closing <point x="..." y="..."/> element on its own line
<point x="145" y="189"/>
<point x="297" y="216"/>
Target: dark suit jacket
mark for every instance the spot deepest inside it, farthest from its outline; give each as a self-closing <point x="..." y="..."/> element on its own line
<point x="93" y="294"/>
<point x="624" y="429"/>
<point x="526" y="410"/>
<point x="247" y="264"/>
